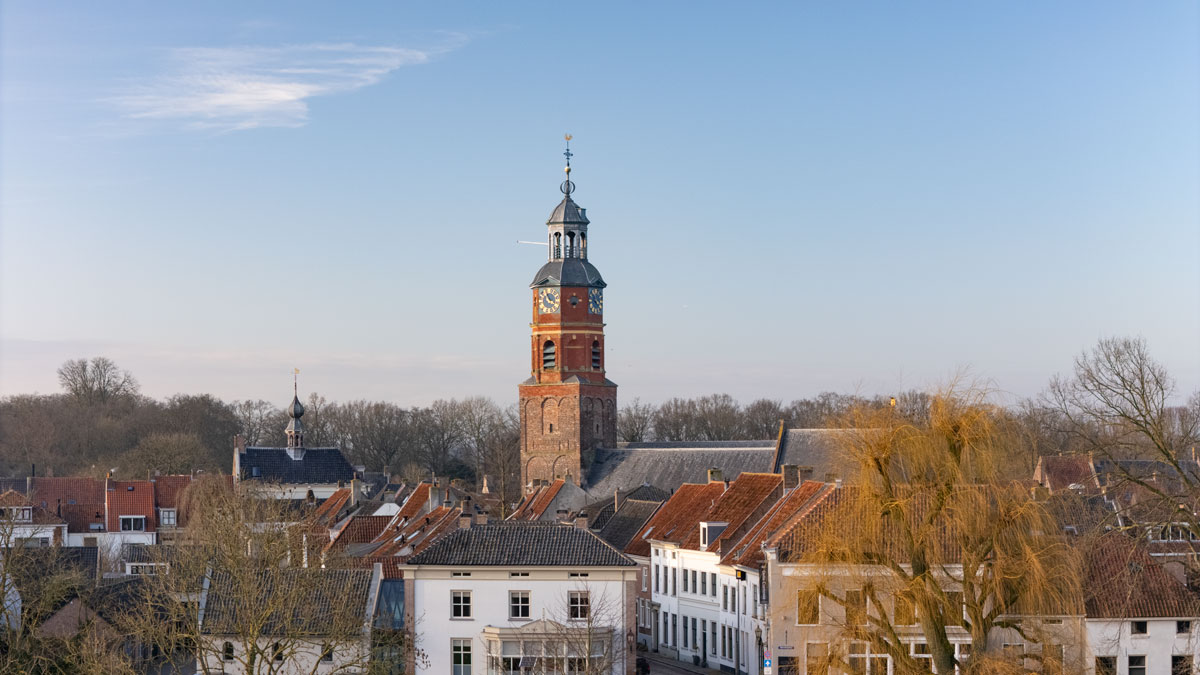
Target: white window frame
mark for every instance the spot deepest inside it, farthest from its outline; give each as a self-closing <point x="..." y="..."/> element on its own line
<point x="513" y="604"/>
<point x="131" y="528"/>
<point x="579" y="605"/>
<point x="460" y="605"/>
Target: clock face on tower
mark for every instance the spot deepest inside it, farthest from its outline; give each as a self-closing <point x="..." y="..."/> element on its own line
<point x="547" y="300"/>
<point x="595" y="301"/>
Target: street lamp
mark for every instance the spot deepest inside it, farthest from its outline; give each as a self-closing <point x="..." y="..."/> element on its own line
<point x="740" y="576"/>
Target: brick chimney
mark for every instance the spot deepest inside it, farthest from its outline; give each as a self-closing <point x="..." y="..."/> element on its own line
<point x="581" y="521"/>
<point x="715" y="475"/>
<point x="791" y="477"/>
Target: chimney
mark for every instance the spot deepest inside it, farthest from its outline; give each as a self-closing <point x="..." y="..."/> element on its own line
<point x="726" y="485"/>
<point x="581" y="521"/>
<point x="831" y="477"/>
<point x="464" y="520"/>
<point x="561" y="515"/>
<point x="355" y="486"/>
<point x="465" y="504"/>
<point x="804" y="473"/>
<point x="715" y="475"/>
<point x="791" y="477"/>
<point x="481" y="518"/>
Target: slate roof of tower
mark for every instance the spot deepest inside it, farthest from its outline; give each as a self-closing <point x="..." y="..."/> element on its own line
<point x="568" y="272"/>
<point x="567" y="213"/>
<point x="522" y="544"/>
<point x="318" y="465"/>
<point x="669" y="465"/>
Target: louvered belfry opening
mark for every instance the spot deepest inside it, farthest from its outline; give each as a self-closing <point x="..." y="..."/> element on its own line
<point x="548" y="355"/>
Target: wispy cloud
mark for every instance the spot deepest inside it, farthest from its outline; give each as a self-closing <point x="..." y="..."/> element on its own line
<point x="229" y="88"/>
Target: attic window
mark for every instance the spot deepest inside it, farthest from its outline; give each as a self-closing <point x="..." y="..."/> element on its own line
<point x="133" y="523"/>
<point x="710" y="531"/>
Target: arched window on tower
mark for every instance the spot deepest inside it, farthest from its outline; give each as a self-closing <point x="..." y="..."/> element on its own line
<point x="548" y="355"/>
<point x="570" y="244"/>
<point x="582" y="245"/>
<point x="557" y="245"/>
<point x="596" y="354"/>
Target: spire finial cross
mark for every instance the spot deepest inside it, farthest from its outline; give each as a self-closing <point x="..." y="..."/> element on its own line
<point x="568" y="187"/>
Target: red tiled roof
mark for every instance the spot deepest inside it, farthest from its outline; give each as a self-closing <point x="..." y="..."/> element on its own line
<point x="80" y="517"/>
<point x="677" y="516"/>
<point x="37" y="515"/>
<point x="13" y="498"/>
<point x="48" y="492"/>
<point x="416" y="534"/>
<point x="169" y="489"/>
<point x="1124" y="582"/>
<point x="1059" y="472"/>
<point x="359" y="530"/>
<point x="750" y="494"/>
<point x="535" y="504"/>
<point x="129" y="498"/>
<point x="416" y="501"/>
<point x="326" y="515"/>
<point x="795" y="504"/>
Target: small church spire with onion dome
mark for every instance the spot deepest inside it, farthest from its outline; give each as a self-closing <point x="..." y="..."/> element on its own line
<point x="295" y="428"/>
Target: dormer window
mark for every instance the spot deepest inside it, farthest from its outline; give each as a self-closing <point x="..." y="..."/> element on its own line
<point x="133" y="523"/>
<point x="710" y="531"/>
<point x="19" y="514"/>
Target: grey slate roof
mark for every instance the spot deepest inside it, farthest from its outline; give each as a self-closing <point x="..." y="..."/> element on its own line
<point x="310" y="601"/>
<point x="813" y="447"/>
<point x="669" y="465"/>
<point x="567" y="213"/>
<point x="318" y="465"/>
<point x="624" y="525"/>
<point x="522" y="544"/>
<point x="568" y="272"/>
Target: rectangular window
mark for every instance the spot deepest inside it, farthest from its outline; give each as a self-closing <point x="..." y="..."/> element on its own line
<point x="695" y="644"/>
<point x="1183" y="627"/>
<point x="856" y="608"/>
<point x="645" y="574"/>
<point x="1137" y="627"/>
<point x="712" y="637"/>
<point x="577" y="575"/>
<point x="685" y="578"/>
<point x="666" y="629"/>
<point x="703" y="584"/>
<point x="460" y="651"/>
<point x="578" y="605"/>
<point x="166" y="517"/>
<point x="518" y="604"/>
<point x="133" y="523"/>
<point x="513" y="575"/>
<point x="460" y="604"/>
<point x="1052" y="659"/>
<point x="790" y="665"/>
<point x="744" y="603"/>
<point x="675" y="630"/>
<point x="656" y="585"/>
<point x="674" y="581"/>
<point x="460" y="574"/>
<point x="808" y="607"/>
<point x="1137" y="665"/>
<point x="712" y="583"/>
<point x="693" y="581"/>
<point x="1181" y="665"/>
<point x="1106" y="665"/>
<point x="685" y="631"/>
<point x="725" y="598"/>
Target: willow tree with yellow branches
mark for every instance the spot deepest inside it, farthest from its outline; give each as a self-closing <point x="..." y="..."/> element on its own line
<point x="933" y="554"/>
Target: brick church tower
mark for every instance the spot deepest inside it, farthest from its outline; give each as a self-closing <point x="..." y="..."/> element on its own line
<point x="568" y="406"/>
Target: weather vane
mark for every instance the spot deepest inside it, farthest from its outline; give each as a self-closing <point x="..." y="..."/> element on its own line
<point x="568" y="187"/>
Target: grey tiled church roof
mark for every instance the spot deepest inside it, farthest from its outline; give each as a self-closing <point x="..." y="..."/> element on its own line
<point x="522" y="544"/>
<point x="318" y="465"/>
<point x="669" y="465"/>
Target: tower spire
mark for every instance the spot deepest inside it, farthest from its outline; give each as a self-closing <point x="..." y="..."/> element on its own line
<point x="568" y="187"/>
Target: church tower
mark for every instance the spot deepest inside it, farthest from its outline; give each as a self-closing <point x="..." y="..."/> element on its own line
<point x="568" y="406"/>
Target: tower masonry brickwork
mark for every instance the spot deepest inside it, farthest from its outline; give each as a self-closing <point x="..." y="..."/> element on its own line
<point x="568" y="407"/>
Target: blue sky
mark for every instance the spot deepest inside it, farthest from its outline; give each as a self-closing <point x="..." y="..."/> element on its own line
<point x="785" y="198"/>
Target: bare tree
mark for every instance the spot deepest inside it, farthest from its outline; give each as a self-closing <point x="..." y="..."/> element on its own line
<point x="761" y="419"/>
<point x="96" y="381"/>
<point x="675" y="420"/>
<point x="258" y="421"/>
<point x="438" y="434"/>
<point x="1117" y="404"/>
<point x="635" y="420"/>
<point x="478" y="418"/>
<point x="165" y="453"/>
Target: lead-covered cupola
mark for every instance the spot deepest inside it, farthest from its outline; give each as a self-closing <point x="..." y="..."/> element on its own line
<point x="566" y="239"/>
